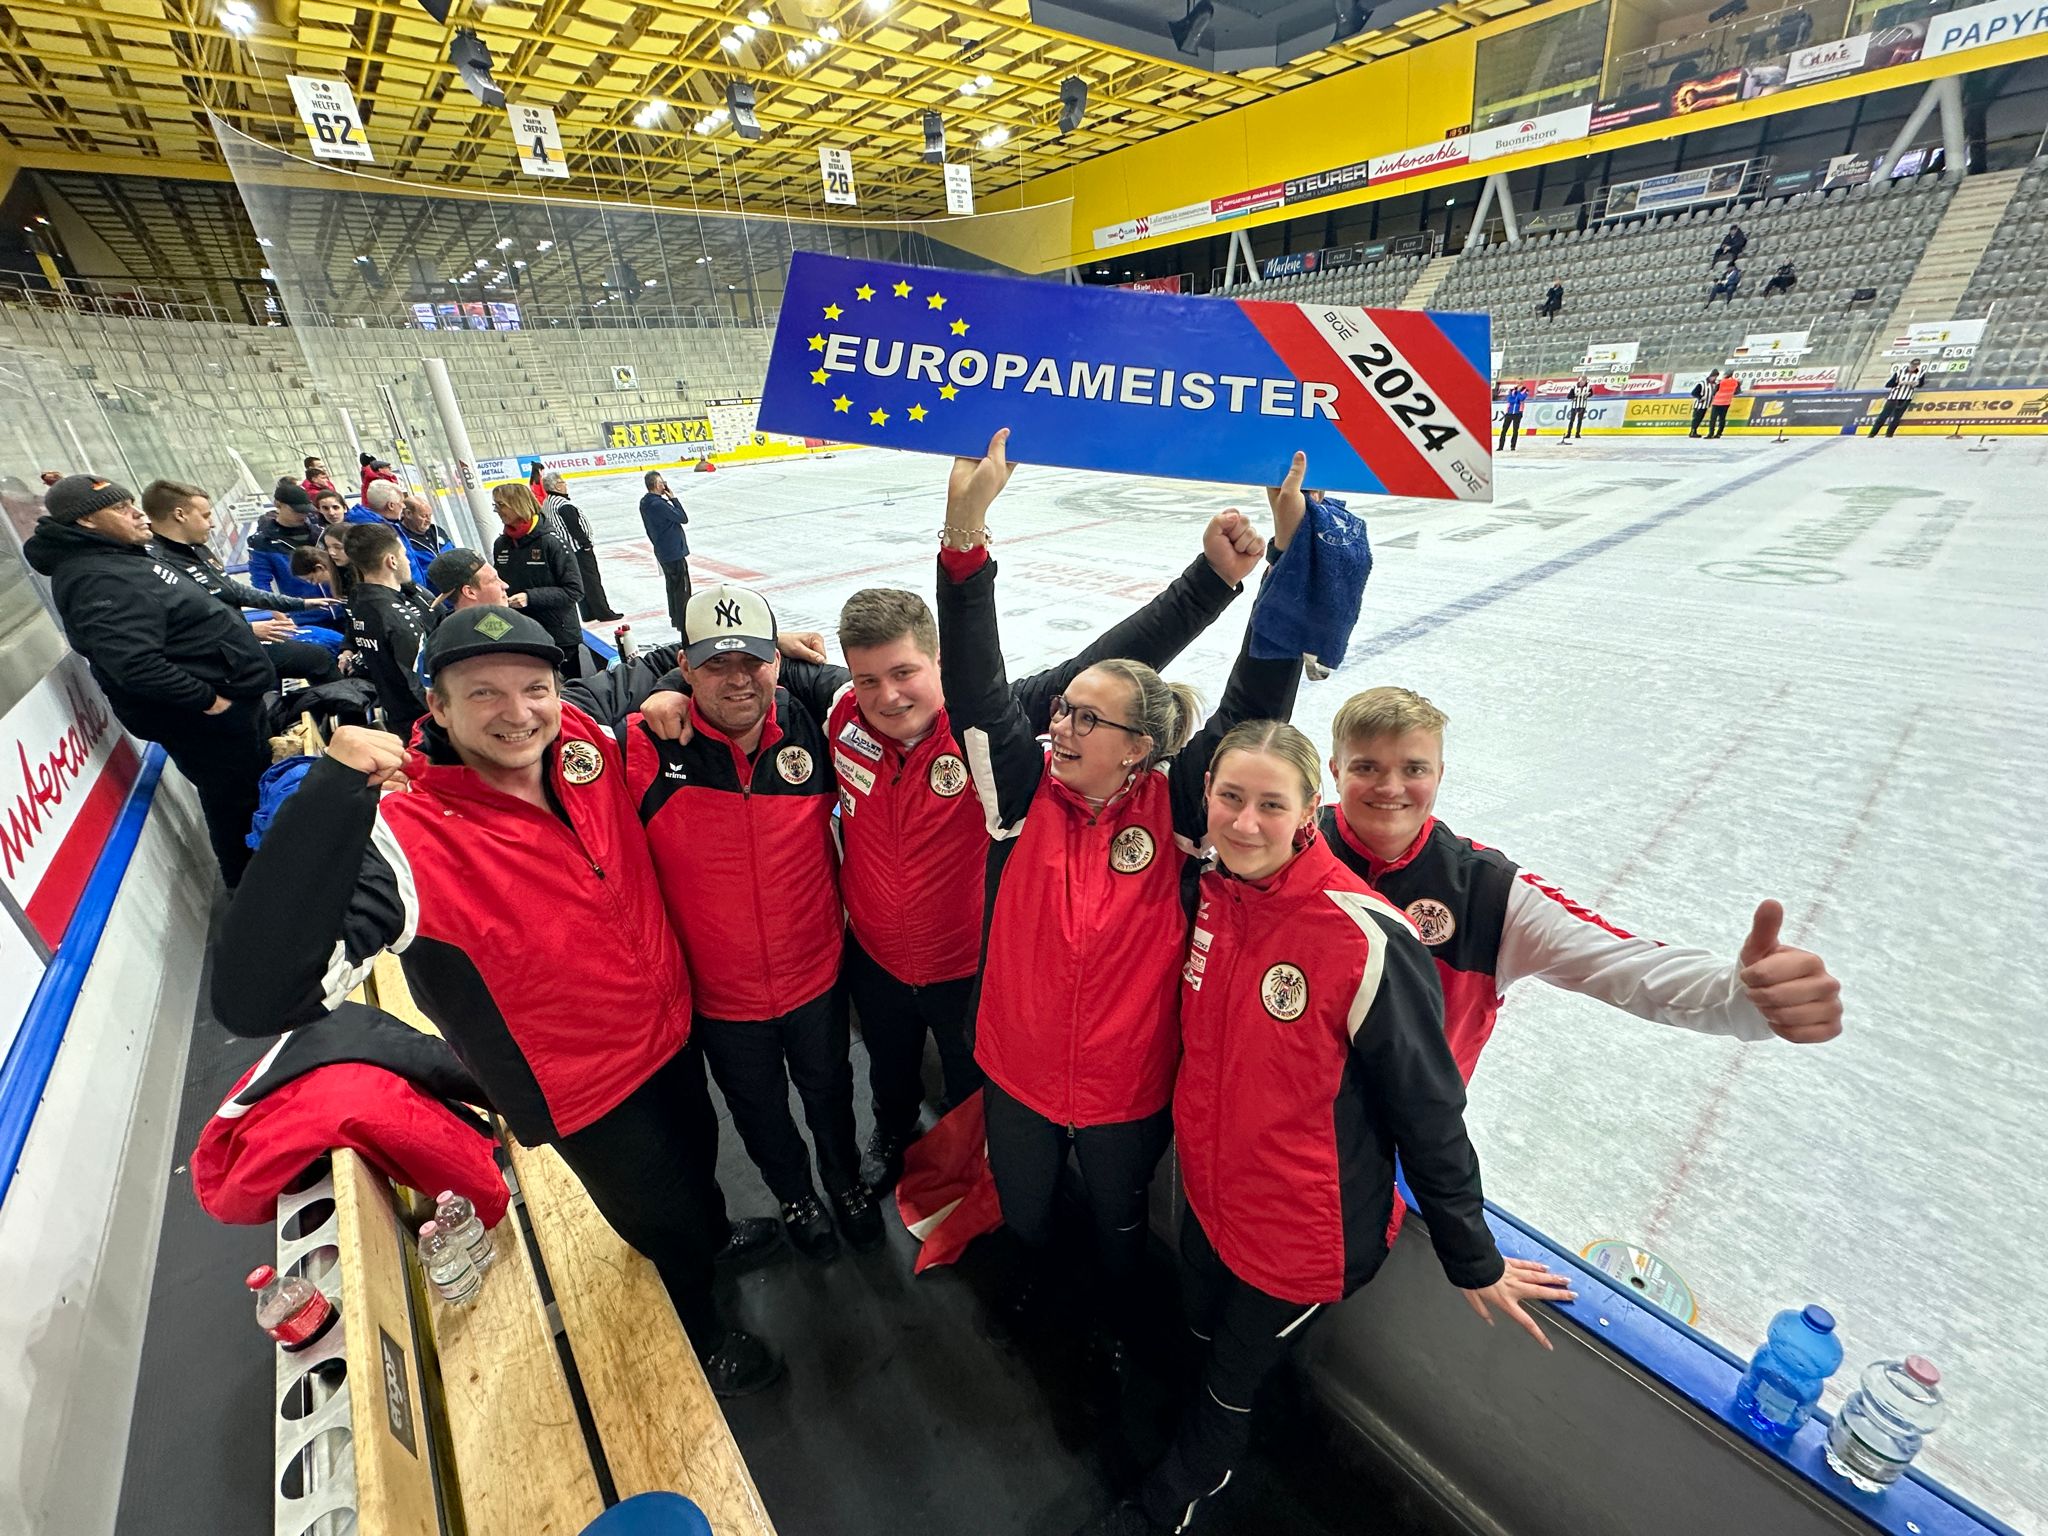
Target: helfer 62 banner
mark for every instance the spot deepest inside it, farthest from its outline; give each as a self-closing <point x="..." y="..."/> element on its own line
<point x="1386" y="402"/>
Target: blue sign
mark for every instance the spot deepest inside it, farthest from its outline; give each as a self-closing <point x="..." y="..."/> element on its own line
<point x="1383" y="401"/>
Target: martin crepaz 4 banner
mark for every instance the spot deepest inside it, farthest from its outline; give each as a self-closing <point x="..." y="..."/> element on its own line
<point x="1383" y="401"/>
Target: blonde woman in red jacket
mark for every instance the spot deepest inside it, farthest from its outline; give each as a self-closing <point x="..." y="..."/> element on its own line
<point x="1313" y="1054"/>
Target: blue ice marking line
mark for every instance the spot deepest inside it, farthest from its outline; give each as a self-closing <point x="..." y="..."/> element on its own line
<point x="1508" y="586"/>
<point x="33" y="1056"/>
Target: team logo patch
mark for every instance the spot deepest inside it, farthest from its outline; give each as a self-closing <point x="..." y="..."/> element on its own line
<point x="794" y="764"/>
<point x="1284" y="991"/>
<point x="948" y="776"/>
<point x="494" y="626"/>
<point x="581" y="762"/>
<point x="1432" y="919"/>
<point x="853" y="736"/>
<point x="1130" y="850"/>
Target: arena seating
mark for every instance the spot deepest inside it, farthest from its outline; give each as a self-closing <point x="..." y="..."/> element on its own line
<point x="2010" y="286"/>
<point x="1379" y="284"/>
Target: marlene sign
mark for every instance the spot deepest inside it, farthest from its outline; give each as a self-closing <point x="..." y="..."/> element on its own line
<point x="65" y="767"/>
<point x="1382" y="401"/>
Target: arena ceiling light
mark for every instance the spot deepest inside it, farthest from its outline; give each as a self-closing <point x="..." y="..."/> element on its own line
<point x="729" y="43"/>
<point x="505" y="243"/>
<point x="829" y="33"/>
<point x="995" y="138"/>
<point x="545" y="245"/>
<point x="646" y="117"/>
<point x="796" y="58"/>
<point x="238" y="16"/>
<point x="759" y="17"/>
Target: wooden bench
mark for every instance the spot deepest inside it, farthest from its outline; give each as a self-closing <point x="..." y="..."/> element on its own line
<point x="475" y="1431"/>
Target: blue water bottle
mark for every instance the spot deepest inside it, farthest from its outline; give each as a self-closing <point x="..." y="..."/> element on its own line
<point x="1784" y="1381"/>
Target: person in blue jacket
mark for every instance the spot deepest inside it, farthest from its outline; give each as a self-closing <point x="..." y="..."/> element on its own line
<point x="423" y="537"/>
<point x="662" y="515"/>
<point x="293" y="525"/>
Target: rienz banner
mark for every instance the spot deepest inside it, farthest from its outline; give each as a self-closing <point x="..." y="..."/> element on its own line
<point x="1389" y="402"/>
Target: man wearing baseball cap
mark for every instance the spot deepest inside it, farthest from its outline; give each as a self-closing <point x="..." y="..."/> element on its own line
<point x="509" y="874"/>
<point x="739" y="821"/>
<point x="178" y="666"/>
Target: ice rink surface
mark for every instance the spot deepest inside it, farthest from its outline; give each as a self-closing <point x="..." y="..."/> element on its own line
<point x="1681" y="677"/>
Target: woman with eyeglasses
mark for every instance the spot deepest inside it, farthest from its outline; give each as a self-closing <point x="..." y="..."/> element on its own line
<point x="1076" y="1024"/>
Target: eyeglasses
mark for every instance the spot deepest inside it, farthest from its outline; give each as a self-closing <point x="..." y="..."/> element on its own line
<point x="1086" y="719"/>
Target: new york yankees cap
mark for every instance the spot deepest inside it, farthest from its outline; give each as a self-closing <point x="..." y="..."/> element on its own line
<point x="727" y="618"/>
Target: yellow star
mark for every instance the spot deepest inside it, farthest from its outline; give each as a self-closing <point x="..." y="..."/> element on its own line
<point x="936" y="301"/>
<point x="842" y="404"/>
<point x="947" y="392"/>
<point x="817" y="343"/>
<point x="878" y="417"/>
<point x="917" y="413"/>
<point x="818" y="376"/>
<point x="863" y="293"/>
<point x="901" y="290"/>
<point x="959" y="327"/>
<point x="832" y="311"/>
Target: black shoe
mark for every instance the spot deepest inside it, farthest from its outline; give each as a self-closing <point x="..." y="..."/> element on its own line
<point x="810" y="1229"/>
<point x="1126" y="1519"/>
<point x="741" y="1365"/>
<point x="882" y="1164"/>
<point x="606" y="618"/>
<point x="858" y="1219"/>
<point x="1017" y="1309"/>
<point x="752" y="1237"/>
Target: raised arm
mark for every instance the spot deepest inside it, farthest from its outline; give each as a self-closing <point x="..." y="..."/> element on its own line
<point x="323" y="896"/>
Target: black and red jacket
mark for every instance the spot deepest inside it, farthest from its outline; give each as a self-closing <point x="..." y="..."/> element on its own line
<point x="1085" y="919"/>
<point x="536" y="941"/>
<point x="1313" y="1054"/>
<point x="915" y="839"/>
<point x="1490" y="923"/>
<point x="744" y="852"/>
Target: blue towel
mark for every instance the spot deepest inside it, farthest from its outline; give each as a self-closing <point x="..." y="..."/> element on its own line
<point x="1309" y="601"/>
<point x="272" y="790"/>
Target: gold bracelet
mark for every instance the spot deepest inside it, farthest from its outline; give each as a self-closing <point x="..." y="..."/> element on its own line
<point x="977" y="538"/>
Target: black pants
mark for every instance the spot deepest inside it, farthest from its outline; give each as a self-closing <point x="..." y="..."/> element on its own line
<point x="1720" y="422"/>
<point x="1699" y="414"/>
<point x="223" y="755"/>
<point x="1575" y="423"/>
<point x="1889" y="418"/>
<point x="302" y="659"/>
<point x="1548" y="313"/>
<point x="894" y="1017"/>
<point x="1027" y="1152"/>
<point x="1510" y="420"/>
<point x="650" y="1168"/>
<point x="1248" y="1334"/>
<point x="596" y="606"/>
<point x="675" y="575"/>
<point x="756" y="1061"/>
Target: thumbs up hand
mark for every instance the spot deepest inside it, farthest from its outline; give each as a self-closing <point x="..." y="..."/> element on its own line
<point x="1790" y="987"/>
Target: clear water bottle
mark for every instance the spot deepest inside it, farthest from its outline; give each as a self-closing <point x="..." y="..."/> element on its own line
<point x="622" y="642"/>
<point x="1882" y="1425"/>
<point x="290" y="1308"/>
<point x="458" y="1218"/>
<point x="1784" y="1381"/>
<point x="450" y="1270"/>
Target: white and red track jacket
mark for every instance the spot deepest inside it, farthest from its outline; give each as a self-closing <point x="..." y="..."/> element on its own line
<point x="744" y="851"/>
<point x="916" y="842"/>
<point x="1491" y="924"/>
<point x="1086" y="925"/>
<point x="1313" y="1054"/>
<point x="535" y="941"/>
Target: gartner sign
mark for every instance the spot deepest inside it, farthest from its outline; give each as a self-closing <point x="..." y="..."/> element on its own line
<point x="1382" y="401"/>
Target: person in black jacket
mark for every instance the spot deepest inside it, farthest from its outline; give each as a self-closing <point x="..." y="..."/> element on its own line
<point x="390" y="618"/>
<point x="535" y="557"/>
<point x="181" y="520"/>
<point x="596" y="606"/>
<point x="178" y="666"/>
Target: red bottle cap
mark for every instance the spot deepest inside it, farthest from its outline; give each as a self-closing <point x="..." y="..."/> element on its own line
<point x="1923" y="1370"/>
<point x="259" y="1277"/>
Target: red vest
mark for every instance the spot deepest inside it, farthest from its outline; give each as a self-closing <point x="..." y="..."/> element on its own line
<point x="916" y="848"/>
<point x="1079" y="997"/>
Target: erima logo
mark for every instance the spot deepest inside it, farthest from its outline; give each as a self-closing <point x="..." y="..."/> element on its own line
<point x="728" y="613"/>
<point x="493" y="626"/>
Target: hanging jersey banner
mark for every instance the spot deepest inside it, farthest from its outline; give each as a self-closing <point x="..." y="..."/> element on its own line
<point x="334" y="126"/>
<point x="1384" y="401"/>
<point x="539" y="140"/>
<point x="837" y="167"/>
<point x="959" y="188"/>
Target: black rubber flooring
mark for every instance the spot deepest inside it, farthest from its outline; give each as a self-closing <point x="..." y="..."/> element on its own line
<point x="896" y="1413"/>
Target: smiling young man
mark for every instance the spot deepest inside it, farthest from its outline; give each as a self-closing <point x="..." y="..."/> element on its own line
<point x="1490" y="923"/>
<point x="509" y="875"/>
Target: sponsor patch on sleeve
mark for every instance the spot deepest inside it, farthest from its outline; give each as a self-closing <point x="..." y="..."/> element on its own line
<point x="852" y="774"/>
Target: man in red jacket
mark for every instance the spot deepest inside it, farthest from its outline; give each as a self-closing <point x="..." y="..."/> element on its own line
<point x="508" y="872"/>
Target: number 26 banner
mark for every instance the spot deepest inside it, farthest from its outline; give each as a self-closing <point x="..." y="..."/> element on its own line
<point x="1389" y="402"/>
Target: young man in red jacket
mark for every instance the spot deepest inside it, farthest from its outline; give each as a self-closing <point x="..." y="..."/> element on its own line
<point x="509" y="874"/>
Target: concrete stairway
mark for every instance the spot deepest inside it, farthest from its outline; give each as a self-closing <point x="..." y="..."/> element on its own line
<point x="1945" y="267"/>
<point x="1426" y="285"/>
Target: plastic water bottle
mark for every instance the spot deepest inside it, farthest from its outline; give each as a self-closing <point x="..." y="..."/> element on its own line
<point x="622" y="642"/>
<point x="449" y="1267"/>
<point x="1881" y="1426"/>
<point x="458" y="1218"/>
<point x="290" y="1308"/>
<point x="1784" y="1381"/>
